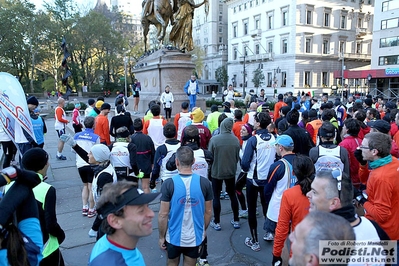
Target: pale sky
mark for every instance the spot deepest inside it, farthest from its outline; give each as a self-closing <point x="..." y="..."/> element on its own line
<point x="86" y="3"/>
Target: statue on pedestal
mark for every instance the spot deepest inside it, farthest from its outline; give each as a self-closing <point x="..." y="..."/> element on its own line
<point x="180" y="15"/>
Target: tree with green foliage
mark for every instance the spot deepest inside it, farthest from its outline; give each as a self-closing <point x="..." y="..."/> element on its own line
<point x="221" y="76"/>
<point x="258" y="78"/>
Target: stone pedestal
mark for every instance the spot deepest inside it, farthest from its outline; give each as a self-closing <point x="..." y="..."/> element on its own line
<point x="164" y="67"/>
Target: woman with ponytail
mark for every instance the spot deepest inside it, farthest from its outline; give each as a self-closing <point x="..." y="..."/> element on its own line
<point x="294" y="204"/>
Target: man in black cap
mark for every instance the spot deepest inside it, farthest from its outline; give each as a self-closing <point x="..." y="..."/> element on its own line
<point x="126" y="218"/>
<point x="227" y="110"/>
<point x="102" y="124"/>
<point x="328" y="155"/>
<point x="36" y="160"/>
<point x="121" y="119"/>
<point x="39" y="126"/>
<point x="384" y="127"/>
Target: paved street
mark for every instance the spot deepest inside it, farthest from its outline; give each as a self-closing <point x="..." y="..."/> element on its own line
<point x="225" y="247"/>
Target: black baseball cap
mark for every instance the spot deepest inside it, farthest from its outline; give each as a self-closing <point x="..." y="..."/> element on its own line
<point x="132" y="196"/>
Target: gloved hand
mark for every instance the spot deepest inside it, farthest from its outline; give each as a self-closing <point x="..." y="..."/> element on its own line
<point x="140" y="175"/>
<point x="359" y="157"/>
<point x="28" y="178"/>
<point x="359" y="196"/>
<point x="277" y="261"/>
<point x="66" y="138"/>
<point x="152" y="184"/>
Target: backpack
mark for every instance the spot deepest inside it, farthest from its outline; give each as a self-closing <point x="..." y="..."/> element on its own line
<point x="254" y="99"/>
<point x="181" y="124"/>
<point x="329" y="159"/>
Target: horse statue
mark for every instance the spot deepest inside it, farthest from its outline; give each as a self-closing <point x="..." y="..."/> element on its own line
<point x="158" y="13"/>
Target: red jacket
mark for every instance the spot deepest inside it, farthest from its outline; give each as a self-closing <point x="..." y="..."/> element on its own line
<point x="351" y="143"/>
<point x="294" y="207"/>
<point x="383" y="198"/>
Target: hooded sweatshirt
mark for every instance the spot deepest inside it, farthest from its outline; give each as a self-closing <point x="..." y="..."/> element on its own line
<point x="225" y="148"/>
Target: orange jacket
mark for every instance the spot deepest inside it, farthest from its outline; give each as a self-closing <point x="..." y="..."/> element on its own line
<point x="102" y="129"/>
<point x="237" y="128"/>
<point x="383" y="198"/>
<point x="313" y="128"/>
<point x="294" y="207"/>
<point x="277" y="108"/>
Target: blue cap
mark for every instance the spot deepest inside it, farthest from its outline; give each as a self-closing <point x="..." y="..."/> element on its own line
<point x="284" y="140"/>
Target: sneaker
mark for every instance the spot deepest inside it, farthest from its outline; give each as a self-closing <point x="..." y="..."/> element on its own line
<point x="268" y="236"/>
<point x="248" y="242"/>
<point x="92" y="233"/>
<point x="243" y="214"/>
<point x="62" y="157"/>
<point x="253" y="245"/>
<point x="235" y="224"/>
<point x="222" y="195"/>
<point x="215" y="226"/>
<point x="202" y="262"/>
<point x="226" y="196"/>
<point x="85" y="211"/>
<point x="91" y="214"/>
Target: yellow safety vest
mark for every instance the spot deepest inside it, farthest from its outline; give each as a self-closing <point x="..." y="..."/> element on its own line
<point x="40" y="192"/>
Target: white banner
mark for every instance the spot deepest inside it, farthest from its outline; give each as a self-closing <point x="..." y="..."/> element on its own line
<point x="14" y="108"/>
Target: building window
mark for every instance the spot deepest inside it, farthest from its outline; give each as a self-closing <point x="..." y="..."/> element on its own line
<point x="285" y="18"/>
<point x="269" y="79"/>
<point x="257" y="50"/>
<point x="220" y="29"/>
<point x="360" y="23"/>
<point x="389" y="42"/>
<point x="239" y="7"/>
<point x="342" y="46"/>
<point x="389" y="5"/>
<point x="324" y="79"/>
<point x="390" y="23"/>
<point x="220" y="18"/>
<point x="246" y="50"/>
<point x="234" y="10"/>
<point x="308" y="45"/>
<point x="389" y="60"/>
<point x="257" y="23"/>
<point x="284" y="48"/>
<point x="250" y="4"/>
<point x="245" y="24"/>
<point x="235" y="53"/>
<point x="343" y="22"/>
<point x="358" y="48"/>
<point x="308" y="81"/>
<point x="326" y="20"/>
<point x="235" y="31"/>
<point x="283" y="79"/>
<point x="220" y="39"/>
<point x="245" y="6"/>
<point x="326" y="46"/>
<point x="308" y="17"/>
<point x="270" y="22"/>
<point x="270" y="47"/>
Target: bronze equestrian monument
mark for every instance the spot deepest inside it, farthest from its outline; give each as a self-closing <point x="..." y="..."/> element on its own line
<point x="171" y="65"/>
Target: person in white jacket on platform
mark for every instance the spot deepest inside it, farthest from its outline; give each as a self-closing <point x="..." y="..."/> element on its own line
<point x="167" y="101"/>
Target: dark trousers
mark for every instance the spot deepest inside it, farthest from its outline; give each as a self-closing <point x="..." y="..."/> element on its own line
<point x="240" y="184"/>
<point x="230" y="189"/>
<point x="9" y="151"/>
<point x="252" y="198"/>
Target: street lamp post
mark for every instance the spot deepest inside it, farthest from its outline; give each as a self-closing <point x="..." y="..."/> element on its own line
<point x="275" y="71"/>
<point x="369" y="77"/>
<point x="125" y="64"/>
<point x="342" y="76"/>
<point x="243" y="84"/>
